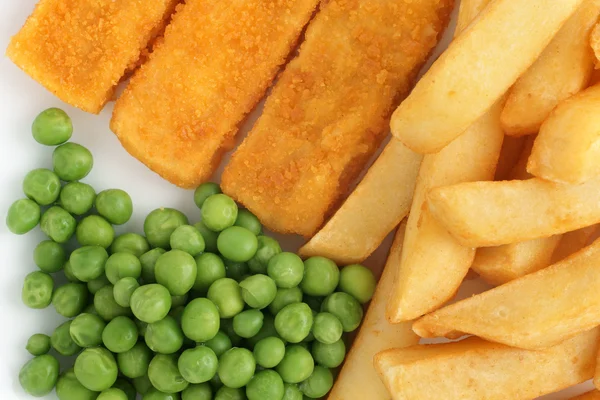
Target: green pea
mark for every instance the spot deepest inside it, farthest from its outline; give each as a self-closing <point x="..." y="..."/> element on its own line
<point x="112" y="394"/>
<point x="265" y="385"/>
<point x="204" y="191"/>
<point x="267" y="330"/>
<point x="291" y="392"/>
<point x="106" y="305"/>
<point x="219" y="344"/>
<point x="201" y="391"/>
<point x="346" y="308"/>
<point x="69" y="388"/>
<point x="198" y="365"/>
<point x="237" y="271"/>
<point x="96" y="284"/>
<point x="200" y="320"/>
<point x="154" y="394"/>
<point x="68" y="271"/>
<point x="227" y="327"/>
<point x="210" y="237"/>
<point x="160" y="225"/>
<point x="86" y="330"/>
<point x="227" y="393"/>
<point x="327" y="328"/>
<point x="284" y="297"/>
<point x="94" y="230"/>
<point x="148" y="261"/>
<point x="236" y="367"/>
<point x="70" y="299"/>
<point x="126" y="387"/>
<point x="329" y="355"/>
<point x="177" y="301"/>
<point x="52" y="127"/>
<point x="123" y="290"/>
<point x="115" y="205"/>
<point x="72" y="162"/>
<point x="142" y="384"/>
<point x="151" y="303"/>
<point x="321" y="276"/>
<point x="88" y="262"/>
<point x="297" y="364"/>
<point x="187" y="238"/>
<point x="164" y="336"/>
<point x="90" y="309"/>
<point x="318" y="384"/>
<point x="120" y="334"/>
<point x="176" y="270"/>
<point x="210" y="268"/>
<point x="164" y="374"/>
<point x="358" y="281"/>
<point x="247" y="220"/>
<point x="96" y="369"/>
<point x="122" y="265"/>
<point x="294" y="322"/>
<point x="269" y="352"/>
<point x="313" y="302"/>
<point x="38" y="377"/>
<point x="49" y="256"/>
<point x="248" y="323"/>
<point x="38" y="344"/>
<point x="286" y="269"/>
<point x="23" y="215"/>
<point x="134" y="362"/>
<point x="77" y="197"/>
<point x="130" y="243"/>
<point x="237" y="244"/>
<point x="58" y="224"/>
<point x="267" y="249"/>
<point x="226" y="294"/>
<point x="258" y="291"/>
<point x="37" y="290"/>
<point x="42" y="186"/>
<point x="215" y="382"/>
<point x="62" y="341"/>
<point x="219" y="211"/>
<point x="142" y="326"/>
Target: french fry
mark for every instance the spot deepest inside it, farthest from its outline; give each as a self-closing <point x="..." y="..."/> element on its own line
<point x="512" y="147"/>
<point x="375" y="207"/>
<point x="595" y="43"/>
<point x="494" y="213"/>
<point x="474" y="369"/>
<point x="563" y="69"/>
<point x="358" y="379"/>
<point x="567" y="148"/>
<point x="597" y="372"/>
<point x="592" y="395"/>
<point x="427" y="279"/>
<point x="476" y="70"/>
<point x="535" y="311"/>
<point x="572" y="242"/>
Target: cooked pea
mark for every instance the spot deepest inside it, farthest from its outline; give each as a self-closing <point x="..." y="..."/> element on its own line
<point x="38" y="344"/>
<point x="96" y="284"/>
<point x="62" y="341"/>
<point x="130" y="243"/>
<point x="321" y="276"/>
<point x="247" y="220"/>
<point x="72" y="162"/>
<point x="227" y="393"/>
<point x="58" y="224"/>
<point x="38" y="377"/>
<point x="219" y="211"/>
<point x="123" y="290"/>
<point x="219" y="344"/>
<point x="52" y="127"/>
<point x="176" y="270"/>
<point x="236" y="367"/>
<point x="292" y="392"/>
<point x="329" y="355"/>
<point x="237" y="271"/>
<point x="148" y="261"/>
<point x="94" y="230"/>
<point x="204" y="191"/>
<point x="237" y="244"/>
<point x="122" y="265"/>
<point x="210" y="267"/>
<point x="200" y="320"/>
<point x="285" y="297"/>
<point x="248" y="323"/>
<point x="151" y="303"/>
<point x="69" y="388"/>
<point x="188" y="239"/>
<point x="164" y="374"/>
<point x="49" y="256"/>
<point x="23" y="215"/>
<point x="265" y="385"/>
<point x="346" y="308"/>
<point x="267" y="249"/>
<point x="37" y="290"/>
<point x="88" y="262"/>
<point x="198" y="365"/>
<point x="96" y="369"/>
<point x="115" y="205"/>
<point x="201" y="391"/>
<point x="134" y="362"/>
<point x="164" y="336"/>
<point x="154" y="394"/>
<point x="269" y="352"/>
<point x="120" y="334"/>
<point x="358" y="281"/>
<point x="126" y="387"/>
<point x="327" y="328"/>
<point x="42" y="186"/>
<point x="318" y="384"/>
<point x="106" y="306"/>
<point x="86" y="330"/>
<point x="112" y="394"/>
<point x="258" y="291"/>
<point x="160" y="225"/>
<point x="70" y="299"/>
<point x="77" y="197"/>
<point x="226" y="294"/>
<point x="294" y="322"/>
<point x="286" y="269"/>
<point x="297" y="364"/>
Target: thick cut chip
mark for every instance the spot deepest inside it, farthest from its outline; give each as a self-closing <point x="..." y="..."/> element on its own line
<point x="494" y="213"/>
<point x="476" y="70"/>
<point x="592" y="395"/>
<point x="562" y="70"/>
<point x="358" y="379"/>
<point x="512" y="148"/>
<point x="182" y="108"/>
<point x="572" y="242"/>
<point x="80" y="49"/>
<point x="474" y="369"/>
<point x="434" y="263"/>
<point x="533" y="312"/>
<point x="567" y="148"/>
<point x="380" y="201"/>
<point x="595" y="43"/>
<point x="330" y="109"/>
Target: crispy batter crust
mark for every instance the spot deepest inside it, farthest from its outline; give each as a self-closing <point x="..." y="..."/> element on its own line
<point x="329" y="110"/>
<point x="80" y="49"/>
<point x="181" y="109"/>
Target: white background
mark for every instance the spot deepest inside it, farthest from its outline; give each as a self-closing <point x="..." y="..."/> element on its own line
<point x="21" y="99"/>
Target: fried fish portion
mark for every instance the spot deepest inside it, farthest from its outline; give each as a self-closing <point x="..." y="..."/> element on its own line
<point x="182" y="108"/>
<point x="80" y="49"/>
<point x="329" y="110"/>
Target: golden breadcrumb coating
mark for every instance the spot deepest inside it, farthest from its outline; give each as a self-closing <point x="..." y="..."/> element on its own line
<point x="80" y="49"/>
<point x="330" y="109"/>
<point x="182" y="108"/>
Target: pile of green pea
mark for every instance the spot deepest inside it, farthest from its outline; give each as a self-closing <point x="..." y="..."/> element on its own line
<point x="214" y="310"/>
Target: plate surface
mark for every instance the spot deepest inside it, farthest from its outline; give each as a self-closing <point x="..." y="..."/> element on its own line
<point x="21" y="99"/>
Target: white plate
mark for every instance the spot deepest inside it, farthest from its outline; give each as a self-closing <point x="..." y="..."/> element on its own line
<point x="20" y="100"/>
